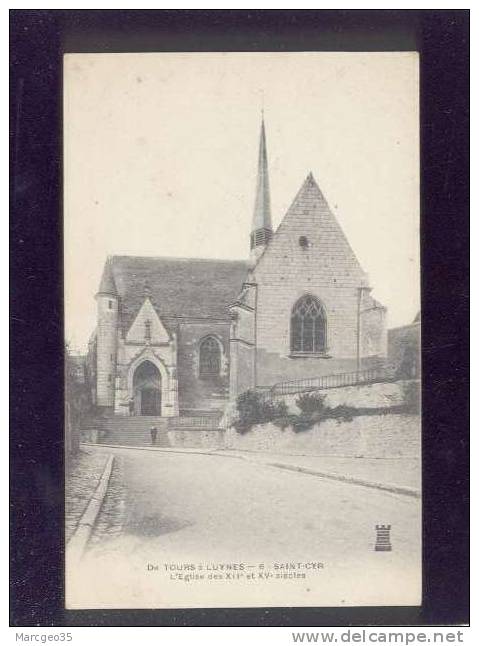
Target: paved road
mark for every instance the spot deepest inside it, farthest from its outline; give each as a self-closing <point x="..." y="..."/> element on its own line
<point x="168" y="510"/>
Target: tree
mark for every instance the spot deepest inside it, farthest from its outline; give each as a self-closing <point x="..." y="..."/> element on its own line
<point x="78" y="403"/>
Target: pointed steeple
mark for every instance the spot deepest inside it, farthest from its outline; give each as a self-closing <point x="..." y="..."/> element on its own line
<point x="107" y="283"/>
<point x="261" y="230"/>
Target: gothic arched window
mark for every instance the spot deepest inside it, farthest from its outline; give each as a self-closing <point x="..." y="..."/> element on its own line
<point x="210" y="357"/>
<point x="308" y="326"/>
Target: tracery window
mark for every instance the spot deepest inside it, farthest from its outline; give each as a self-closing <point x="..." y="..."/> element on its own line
<point x="308" y="326"/>
<point x="210" y="357"/>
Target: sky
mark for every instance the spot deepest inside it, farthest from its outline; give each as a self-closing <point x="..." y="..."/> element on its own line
<point x="161" y="157"/>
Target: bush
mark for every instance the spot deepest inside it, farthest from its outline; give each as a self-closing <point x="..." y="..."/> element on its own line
<point x="343" y="413"/>
<point x="273" y="410"/>
<point x="314" y="411"/>
<point x="309" y="403"/>
<point x="247" y="405"/>
<point x="284" y="421"/>
<point x="301" y="423"/>
<point x="254" y="409"/>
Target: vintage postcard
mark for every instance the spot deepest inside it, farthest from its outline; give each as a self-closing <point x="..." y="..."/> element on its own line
<point x="242" y="307"/>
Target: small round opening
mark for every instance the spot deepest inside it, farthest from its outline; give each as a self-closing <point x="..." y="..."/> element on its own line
<point x="303" y="242"/>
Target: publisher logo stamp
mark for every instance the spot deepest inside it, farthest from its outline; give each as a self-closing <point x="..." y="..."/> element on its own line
<point x="383" y="538"/>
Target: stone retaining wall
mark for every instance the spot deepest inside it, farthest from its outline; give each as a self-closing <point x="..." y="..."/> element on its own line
<point x="91" y="435"/>
<point x="371" y="436"/>
<point x="196" y="439"/>
<point x="378" y="395"/>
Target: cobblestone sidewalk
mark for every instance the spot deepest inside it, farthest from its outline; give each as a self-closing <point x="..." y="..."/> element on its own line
<point x="83" y="472"/>
<point x="111" y="520"/>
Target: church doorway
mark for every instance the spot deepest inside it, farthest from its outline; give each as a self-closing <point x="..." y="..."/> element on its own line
<point x="147" y="389"/>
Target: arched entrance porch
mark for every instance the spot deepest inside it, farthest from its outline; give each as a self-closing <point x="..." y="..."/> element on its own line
<point x="147" y="389"/>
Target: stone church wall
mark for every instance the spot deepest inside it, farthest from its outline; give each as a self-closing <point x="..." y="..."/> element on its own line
<point x="276" y="298"/>
<point x="277" y="295"/>
<point x="197" y="393"/>
<point x="275" y="368"/>
<point x="310" y="255"/>
<point x="404" y="348"/>
<point x="107" y="321"/>
<point x="242" y="367"/>
<point x="373" y="330"/>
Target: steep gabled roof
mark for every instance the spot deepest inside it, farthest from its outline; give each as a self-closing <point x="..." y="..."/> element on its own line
<point x="310" y="218"/>
<point x="179" y="287"/>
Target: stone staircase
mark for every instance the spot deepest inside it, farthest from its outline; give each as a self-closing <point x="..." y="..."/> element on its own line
<point x="132" y="431"/>
<point x="135" y="430"/>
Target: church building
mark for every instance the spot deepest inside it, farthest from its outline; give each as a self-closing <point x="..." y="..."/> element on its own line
<point x="185" y="336"/>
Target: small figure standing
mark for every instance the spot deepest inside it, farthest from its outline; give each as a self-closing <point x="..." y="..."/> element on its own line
<point x="131" y="406"/>
<point x="153" y="433"/>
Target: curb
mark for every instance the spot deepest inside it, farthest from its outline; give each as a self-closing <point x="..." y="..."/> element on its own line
<point x="78" y="542"/>
<point x="404" y="491"/>
<point x="397" y="489"/>
<point x="163" y="449"/>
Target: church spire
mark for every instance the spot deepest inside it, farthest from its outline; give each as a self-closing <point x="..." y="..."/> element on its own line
<point x="261" y="231"/>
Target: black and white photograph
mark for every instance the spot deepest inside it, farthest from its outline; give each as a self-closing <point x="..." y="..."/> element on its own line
<point x="243" y="330"/>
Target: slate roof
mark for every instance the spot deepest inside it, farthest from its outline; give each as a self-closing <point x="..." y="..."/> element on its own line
<point x="107" y="284"/>
<point x="178" y="287"/>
